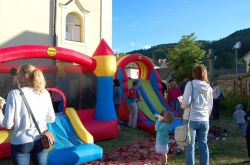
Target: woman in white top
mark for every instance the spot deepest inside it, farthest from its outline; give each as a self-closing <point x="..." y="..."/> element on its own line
<point x="25" y="139"/>
<point x="201" y="98"/>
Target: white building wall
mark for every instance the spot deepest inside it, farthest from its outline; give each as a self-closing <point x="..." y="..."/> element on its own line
<point x="31" y="22"/>
<point x="247" y="59"/>
<point x="106" y="27"/>
<point x="25" y="22"/>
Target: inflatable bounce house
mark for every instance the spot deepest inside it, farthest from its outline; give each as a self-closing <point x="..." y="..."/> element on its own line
<point x="81" y="89"/>
<point x="69" y="73"/>
<point x="152" y="101"/>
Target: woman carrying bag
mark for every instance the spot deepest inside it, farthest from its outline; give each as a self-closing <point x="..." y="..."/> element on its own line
<point x="202" y="103"/>
<point x="25" y="138"/>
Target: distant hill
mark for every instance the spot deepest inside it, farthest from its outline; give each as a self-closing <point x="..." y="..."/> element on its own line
<point x="226" y="44"/>
<point x="222" y="48"/>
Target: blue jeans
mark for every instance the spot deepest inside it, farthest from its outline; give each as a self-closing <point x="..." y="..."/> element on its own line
<point x="21" y="153"/>
<point x="175" y="105"/>
<point x="133" y="112"/>
<point x="199" y="128"/>
<point x="243" y="128"/>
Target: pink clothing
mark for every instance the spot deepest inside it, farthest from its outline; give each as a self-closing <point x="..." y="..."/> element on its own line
<point x="173" y="93"/>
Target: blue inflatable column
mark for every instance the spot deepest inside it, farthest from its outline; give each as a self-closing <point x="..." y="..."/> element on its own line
<point x="104" y="102"/>
<point x="105" y="70"/>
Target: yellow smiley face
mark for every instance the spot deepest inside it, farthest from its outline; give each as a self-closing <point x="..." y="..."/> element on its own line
<point x="51" y="51"/>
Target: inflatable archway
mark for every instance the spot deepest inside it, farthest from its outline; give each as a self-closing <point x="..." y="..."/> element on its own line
<point x="143" y="62"/>
<point x="152" y="98"/>
<point x="63" y="98"/>
<point x="40" y="51"/>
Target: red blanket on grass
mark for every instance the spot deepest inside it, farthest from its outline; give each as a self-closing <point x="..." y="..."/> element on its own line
<point x="140" y="152"/>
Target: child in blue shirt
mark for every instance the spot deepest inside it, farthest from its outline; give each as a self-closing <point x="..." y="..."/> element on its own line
<point x="239" y="118"/>
<point x="163" y="127"/>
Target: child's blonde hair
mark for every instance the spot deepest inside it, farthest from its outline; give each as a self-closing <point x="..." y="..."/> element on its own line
<point x="35" y="77"/>
<point x="167" y="114"/>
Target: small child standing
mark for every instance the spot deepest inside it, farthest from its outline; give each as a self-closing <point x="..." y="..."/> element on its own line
<point x="239" y="118"/>
<point x="163" y="126"/>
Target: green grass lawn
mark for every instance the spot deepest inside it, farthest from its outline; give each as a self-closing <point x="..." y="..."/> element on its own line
<point x="230" y="152"/>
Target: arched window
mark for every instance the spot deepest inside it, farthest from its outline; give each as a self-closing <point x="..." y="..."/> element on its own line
<point x="73" y="28"/>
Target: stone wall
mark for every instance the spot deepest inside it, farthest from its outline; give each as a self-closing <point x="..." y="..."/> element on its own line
<point x="227" y="83"/>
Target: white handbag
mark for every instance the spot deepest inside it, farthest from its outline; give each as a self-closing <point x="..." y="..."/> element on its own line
<point x="182" y="132"/>
<point x="182" y="135"/>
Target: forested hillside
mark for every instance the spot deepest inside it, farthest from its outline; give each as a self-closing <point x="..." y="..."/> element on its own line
<point x="222" y="49"/>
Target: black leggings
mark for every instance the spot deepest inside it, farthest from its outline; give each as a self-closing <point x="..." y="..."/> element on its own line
<point x="248" y="139"/>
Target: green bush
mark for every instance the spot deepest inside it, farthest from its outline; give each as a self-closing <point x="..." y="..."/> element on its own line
<point x="228" y="104"/>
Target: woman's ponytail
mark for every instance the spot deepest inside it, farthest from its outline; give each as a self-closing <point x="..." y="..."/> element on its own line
<point x="38" y="80"/>
<point x="29" y="75"/>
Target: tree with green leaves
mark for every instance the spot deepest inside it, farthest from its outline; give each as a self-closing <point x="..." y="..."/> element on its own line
<point x="185" y="55"/>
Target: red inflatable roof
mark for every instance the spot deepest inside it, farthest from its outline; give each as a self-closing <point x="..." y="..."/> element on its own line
<point x="41" y="51"/>
<point x="103" y="49"/>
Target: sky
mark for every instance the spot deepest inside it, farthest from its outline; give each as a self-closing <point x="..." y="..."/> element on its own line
<point x="140" y="24"/>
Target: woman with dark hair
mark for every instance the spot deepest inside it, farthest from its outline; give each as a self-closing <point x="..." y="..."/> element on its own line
<point x="216" y="95"/>
<point x="117" y="96"/>
<point x="173" y="93"/>
<point x="163" y="88"/>
<point x="198" y="101"/>
<point x="10" y="82"/>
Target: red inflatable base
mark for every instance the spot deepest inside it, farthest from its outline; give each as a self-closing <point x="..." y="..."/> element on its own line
<point x="5" y="150"/>
<point x="101" y="130"/>
<point x="150" y="128"/>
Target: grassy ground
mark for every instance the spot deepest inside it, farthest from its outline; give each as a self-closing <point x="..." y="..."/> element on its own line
<point x="126" y="135"/>
<point x="230" y="152"/>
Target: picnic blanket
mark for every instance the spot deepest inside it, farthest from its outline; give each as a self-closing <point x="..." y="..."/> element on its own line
<point x="139" y="152"/>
